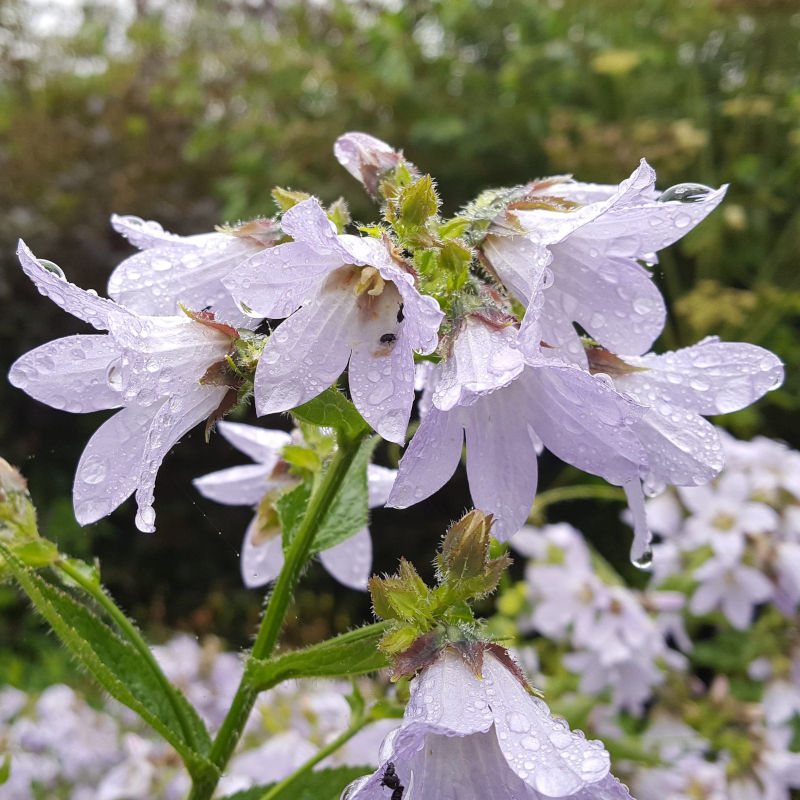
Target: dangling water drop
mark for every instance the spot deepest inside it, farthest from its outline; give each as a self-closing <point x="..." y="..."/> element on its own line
<point x="685" y="193"/>
<point x="114" y="375"/>
<point x="645" y="560"/>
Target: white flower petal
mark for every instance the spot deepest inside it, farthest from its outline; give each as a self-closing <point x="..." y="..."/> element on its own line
<point x="172" y="420"/>
<point x="430" y="459"/>
<point x="540" y="749"/>
<point x="306" y="353"/>
<point x="379" y="484"/>
<point x="711" y="377"/>
<point x="236" y="486"/>
<point x="97" y="311"/>
<point x="350" y="561"/>
<point x="142" y="233"/>
<point x="261" y="444"/>
<point x="683" y="448"/>
<point x="260" y="563"/>
<point x="276" y="282"/>
<point x="501" y="460"/>
<point x="519" y="263"/>
<point x="108" y="470"/>
<point x="69" y="373"/>
<point x="307" y="222"/>
<point x="583" y="422"/>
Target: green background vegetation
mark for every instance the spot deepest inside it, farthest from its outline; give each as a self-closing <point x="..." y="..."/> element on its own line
<point x="190" y="113"/>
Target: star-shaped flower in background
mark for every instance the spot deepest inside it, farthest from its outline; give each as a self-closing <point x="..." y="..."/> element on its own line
<point x="172" y="270"/>
<point x="350" y="561"/>
<point x="156" y="369"/>
<point x="466" y="736"/>
<point x="347" y="300"/>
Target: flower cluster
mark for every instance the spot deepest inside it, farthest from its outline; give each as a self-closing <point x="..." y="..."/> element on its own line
<point x="60" y="745"/>
<point x="698" y="673"/>
<point x="529" y="316"/>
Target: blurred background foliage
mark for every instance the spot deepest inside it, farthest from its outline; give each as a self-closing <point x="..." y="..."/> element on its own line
<point x="190" y="112"/>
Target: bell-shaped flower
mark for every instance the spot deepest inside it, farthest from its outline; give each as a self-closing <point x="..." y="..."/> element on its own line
<point x="589" y="237"/>
<point x="158" y="370"/>
<point x="347" y="300"/>
<point x="172" y="270"/>
<point x="466" y="736"/>
<point x="677" y="387"/>
<point x="350" y="561"/>
<point x="507" y="417"/>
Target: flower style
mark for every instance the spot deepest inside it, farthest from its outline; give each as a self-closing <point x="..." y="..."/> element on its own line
<point x="590" y="237"/>
<point x="172" y="270"/>
<point x="543" y="402"/>
<point x="467" y="736"/>
<point x="153" y="368"/>
<point x="350" y="561"/>
<point x="346" y="299"/>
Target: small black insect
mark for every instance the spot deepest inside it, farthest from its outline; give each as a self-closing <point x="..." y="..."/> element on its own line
<point x="388" y="338"/>
<point x="391" y="781"/>
<point x="400" y="316"/>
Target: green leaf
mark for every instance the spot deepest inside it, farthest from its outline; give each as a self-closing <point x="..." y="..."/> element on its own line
<point x="38" y="553"/>
<point x="347" y="513"/>
<point x="5" y="770"/>
<point x="353" y="653"/>
<point x="349" y="510"/>
<point x="332" y="409"/>
<point x="116" y="664"/>
<point x="323" y="784"/>
<point x="291" y="508"/>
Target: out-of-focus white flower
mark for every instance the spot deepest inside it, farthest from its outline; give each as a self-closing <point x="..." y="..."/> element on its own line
<point x="350" y="561"/>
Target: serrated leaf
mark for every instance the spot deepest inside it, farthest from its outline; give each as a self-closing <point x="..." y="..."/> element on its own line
<point x="291" y="508"/>
<point x="347" y="513"/>
<point x="322" y="784"/>
<point x="116" y="664"/>
<point x="352" y="653"/>
<point x="37" y="553"/>
<point x="332" y="409"/>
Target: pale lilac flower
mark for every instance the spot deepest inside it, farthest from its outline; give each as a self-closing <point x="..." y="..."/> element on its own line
<point x="687" y="778"/>
<point x="367" y="158"/>
<point x="727" y="584"/>
<point x="152" y="367"/>
<point x="546" y="403"/>
<point x="176" y="270"/>
<point x="350" y="561"/>
<point x="347" y="300"/>
<point x="463" y="736"/>
<point x="589" y="237"/>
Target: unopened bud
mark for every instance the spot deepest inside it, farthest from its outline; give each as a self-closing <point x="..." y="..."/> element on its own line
<point x="367" y="159"/>
<point x="17" y="514"/>
<point x="465" y="549"/>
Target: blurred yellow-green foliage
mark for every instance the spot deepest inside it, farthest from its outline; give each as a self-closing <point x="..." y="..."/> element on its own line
<point x="189" y="112"/>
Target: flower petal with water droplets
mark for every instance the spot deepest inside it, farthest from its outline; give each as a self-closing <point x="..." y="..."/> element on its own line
<point x="260" y="563"/>
<point x="69" y="373"/>
<point x="261" y="444"/>
<point x="379" y="484"/>
<point x="430" y="459"/>
<point x="244" y="485"/>
<point x="142" y="233"/>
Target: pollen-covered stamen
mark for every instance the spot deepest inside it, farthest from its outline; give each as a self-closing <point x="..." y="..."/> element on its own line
<point x="370" y="281"/>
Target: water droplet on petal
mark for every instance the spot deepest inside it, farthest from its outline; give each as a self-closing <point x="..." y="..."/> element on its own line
<point x="114" y="375"/>
<point x="685" y="193"/>
<point x="517" y="722"/>
<point x="645" y="560"/>
<point x="94" y="470"/>
<point x="51" y="267"/>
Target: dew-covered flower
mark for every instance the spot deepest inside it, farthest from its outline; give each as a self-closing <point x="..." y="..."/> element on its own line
<point x="590" y="237"/>
<point x="539" y="402"/>
<point x="347" y="300"/>
<point x="465" y="736"/>
<point x="158" y="370"/>
<point x="172" y="270"/>
<point x="350" y="561"/>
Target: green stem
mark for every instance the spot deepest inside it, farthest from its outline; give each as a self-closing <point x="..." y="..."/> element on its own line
<point x="295" y="559"/>
<point x="588" y="491"/>
<point x="134" y="637"/>
<point x="354" y="728"/>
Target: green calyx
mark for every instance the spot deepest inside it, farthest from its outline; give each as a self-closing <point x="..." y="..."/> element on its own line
<point x="464" y="572"/>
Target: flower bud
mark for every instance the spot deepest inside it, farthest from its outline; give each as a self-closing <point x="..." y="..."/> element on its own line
<point x="367" y="158"/>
